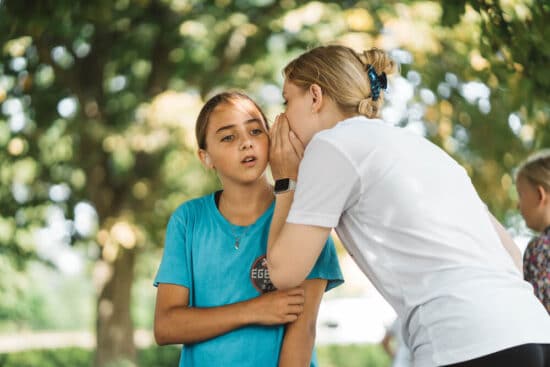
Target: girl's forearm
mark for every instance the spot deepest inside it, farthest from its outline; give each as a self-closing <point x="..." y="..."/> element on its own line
<point x="188" y="325"/>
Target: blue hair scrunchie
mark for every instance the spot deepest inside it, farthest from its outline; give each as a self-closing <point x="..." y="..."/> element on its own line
<point x="377" y="82"/>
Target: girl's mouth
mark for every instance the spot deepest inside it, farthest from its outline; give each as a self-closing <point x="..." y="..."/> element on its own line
<point x="249" y="160"/>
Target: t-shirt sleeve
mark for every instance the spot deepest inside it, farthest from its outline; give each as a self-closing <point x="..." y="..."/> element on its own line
<point x="328" y="184"/>
<point x="175" y="264"/>
<point x="327" y="266"/>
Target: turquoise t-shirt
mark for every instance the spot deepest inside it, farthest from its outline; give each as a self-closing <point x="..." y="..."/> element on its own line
<point x="200" y="254"/>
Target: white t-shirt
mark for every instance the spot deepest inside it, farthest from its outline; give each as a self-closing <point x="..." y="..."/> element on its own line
<point x="410" y="217"/>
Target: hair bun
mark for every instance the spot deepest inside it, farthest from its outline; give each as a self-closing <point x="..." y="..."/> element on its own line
<point x="367" y="107"/>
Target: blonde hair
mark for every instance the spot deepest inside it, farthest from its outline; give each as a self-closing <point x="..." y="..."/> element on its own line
<point x="231" y="97"/>
<point x="342" y="75"/>
<point x="536" y="169"/>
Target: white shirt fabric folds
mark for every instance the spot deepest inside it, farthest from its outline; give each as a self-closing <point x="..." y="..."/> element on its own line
<point x="410" y="217"/>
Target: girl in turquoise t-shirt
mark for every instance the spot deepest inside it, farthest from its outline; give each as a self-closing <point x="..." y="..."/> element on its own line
<point x="214" y="292"/>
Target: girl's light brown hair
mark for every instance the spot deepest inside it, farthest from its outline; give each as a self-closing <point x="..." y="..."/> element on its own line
<point x="536" y="169"/>
<point x="342" y="75"/>
<point x="233" y="98"/>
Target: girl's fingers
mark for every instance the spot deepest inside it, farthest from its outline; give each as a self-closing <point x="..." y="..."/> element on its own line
<point x="296" y="300"/>
<point x="295" y="310"/>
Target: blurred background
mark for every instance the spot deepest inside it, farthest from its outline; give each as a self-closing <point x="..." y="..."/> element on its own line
<point x="97" y="107"/>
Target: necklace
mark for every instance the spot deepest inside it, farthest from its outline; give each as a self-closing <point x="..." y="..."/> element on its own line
<point x="217" y="199"/>
<point x="238" y="238"/>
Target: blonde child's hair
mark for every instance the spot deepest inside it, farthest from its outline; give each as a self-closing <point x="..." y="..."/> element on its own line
<point x="536" y="169"/>
<point x="342" y="75"/>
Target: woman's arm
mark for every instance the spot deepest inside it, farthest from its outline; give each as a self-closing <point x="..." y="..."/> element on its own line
<point x="508" y="243"/>
<point x="300" y="335"/>
<point x="292" y="248"/>
<point x="177" y="323"/>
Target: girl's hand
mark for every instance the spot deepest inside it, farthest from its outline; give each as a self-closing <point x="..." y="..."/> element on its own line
<point x="277" y="307"/>
<point x="286" y="150"/>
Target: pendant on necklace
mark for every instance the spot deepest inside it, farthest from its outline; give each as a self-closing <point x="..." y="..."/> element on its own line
<point x="236" y="244"/>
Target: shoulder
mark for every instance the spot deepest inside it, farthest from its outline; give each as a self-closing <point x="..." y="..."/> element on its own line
<point x="190" y="209"/>
<point x="359" y="135"/>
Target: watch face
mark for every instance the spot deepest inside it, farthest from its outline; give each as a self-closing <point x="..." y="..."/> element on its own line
<point x="281" y="185"/>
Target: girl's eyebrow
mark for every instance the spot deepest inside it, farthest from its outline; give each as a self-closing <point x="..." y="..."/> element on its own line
<point x="249" y="121"/>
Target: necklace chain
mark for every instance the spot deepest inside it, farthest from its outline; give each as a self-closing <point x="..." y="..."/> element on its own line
<point x="231" y="226"/>
<point x="238" y="238"/>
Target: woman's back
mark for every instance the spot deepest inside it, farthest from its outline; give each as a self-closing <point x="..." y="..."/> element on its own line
<point x="416" y="226"/>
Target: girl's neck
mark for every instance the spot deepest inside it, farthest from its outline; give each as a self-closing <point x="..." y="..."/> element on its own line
<point x="243" y="205"/>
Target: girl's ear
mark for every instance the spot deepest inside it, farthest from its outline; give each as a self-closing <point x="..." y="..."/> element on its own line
<point x="205" y="159"/>
<point x="543" y="196"/>
<point x="317" y="97"/>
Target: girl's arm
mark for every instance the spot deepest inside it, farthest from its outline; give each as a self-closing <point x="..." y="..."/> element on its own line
<point x="177" y="323"/>
<point x="300" y="335"/>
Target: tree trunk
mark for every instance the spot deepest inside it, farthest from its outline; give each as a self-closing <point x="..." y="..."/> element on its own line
<point x="115" y="330"/>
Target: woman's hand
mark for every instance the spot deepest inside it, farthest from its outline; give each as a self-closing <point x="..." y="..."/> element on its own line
<point x="286" y="150"/>
<point x="277" y="307"/>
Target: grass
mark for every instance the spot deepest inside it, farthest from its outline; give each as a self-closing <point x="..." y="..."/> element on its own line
<point x="328" y="356"/>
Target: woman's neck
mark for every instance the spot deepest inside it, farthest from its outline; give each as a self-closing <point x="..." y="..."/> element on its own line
<point x="243" y="205"/>
<point x="332" y="115"/>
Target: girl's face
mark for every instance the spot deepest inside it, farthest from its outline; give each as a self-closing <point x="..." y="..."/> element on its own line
<point x="530" y="204"/>
<point x="237" y="143"/>
<point x="299" y="111"/>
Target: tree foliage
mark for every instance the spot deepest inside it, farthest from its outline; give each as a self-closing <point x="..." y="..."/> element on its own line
<point x="98" y="100"/>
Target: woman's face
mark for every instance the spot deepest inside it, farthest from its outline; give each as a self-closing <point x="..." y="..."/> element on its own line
<point x="237" y="143"/>
<point x="529" y="204"/>
<point x="299" y="112"/>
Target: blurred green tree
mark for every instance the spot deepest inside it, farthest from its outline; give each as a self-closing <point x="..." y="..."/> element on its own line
<point x="98" y="101"/>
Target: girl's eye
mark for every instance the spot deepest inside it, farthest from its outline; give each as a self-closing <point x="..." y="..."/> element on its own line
<point x="256" y="132"/>
<point x="228" y="138"/>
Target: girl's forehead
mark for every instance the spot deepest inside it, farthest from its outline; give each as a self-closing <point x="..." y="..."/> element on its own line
<point x="234" y="112"/>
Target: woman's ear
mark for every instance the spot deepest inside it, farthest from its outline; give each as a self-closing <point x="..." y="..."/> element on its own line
<point x="317" y="97"/>
<point x="205" y="159"/>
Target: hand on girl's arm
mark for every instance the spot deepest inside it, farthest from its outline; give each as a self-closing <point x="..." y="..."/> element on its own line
<point x="177" y="323"/>
<point x="299" y="337"/>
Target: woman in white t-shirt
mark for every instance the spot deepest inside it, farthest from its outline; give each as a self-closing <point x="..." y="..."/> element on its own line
<point x="406" y="212"/>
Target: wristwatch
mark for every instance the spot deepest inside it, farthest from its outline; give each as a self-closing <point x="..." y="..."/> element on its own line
<point x="284" y="185"/>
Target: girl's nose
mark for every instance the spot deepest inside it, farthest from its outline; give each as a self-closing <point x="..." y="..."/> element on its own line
<point x="246" y="144"/>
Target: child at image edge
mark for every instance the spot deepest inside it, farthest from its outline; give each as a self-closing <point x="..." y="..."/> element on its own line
<point x="533" y="186"/>
<point x="214" y="293"/>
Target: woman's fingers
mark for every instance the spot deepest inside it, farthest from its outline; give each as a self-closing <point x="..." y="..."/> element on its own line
<point x="275" y="133"/>
<point x="296" y="144"/>
<point x="284" y="155"/>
